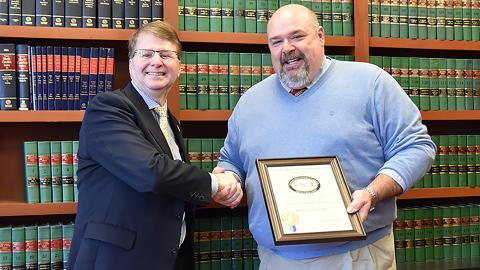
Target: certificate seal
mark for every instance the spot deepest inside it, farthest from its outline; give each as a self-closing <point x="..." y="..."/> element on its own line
<point x="291" y="219"/>
<point x="304" y="184"/>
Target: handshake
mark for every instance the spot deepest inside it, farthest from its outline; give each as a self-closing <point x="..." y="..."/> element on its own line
<point x="229" y="192"/>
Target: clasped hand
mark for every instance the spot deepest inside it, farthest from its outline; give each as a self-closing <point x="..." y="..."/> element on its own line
<point x="229" y="191"/>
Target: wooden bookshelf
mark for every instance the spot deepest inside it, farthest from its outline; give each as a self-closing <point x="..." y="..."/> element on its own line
<point x="451" y="115"/>
<point x="207" y="115"/>
<point x="438" y="193"/>
<point x="40" y="116"/>
<point x="423" y="44"/>
<point x="10" y="209"/>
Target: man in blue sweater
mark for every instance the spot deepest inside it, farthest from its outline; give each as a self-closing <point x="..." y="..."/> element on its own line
<point x="317" y="106"/>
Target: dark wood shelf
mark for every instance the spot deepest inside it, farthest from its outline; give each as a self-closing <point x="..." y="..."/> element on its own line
<point x="9" y="209"/>
<point x="423" y="44"/>
<point x="37" y="32"/>
<point x="40" y="116"/>
<point x="207" y="115"/>
<point x="437" y="193"/>
<point x="451" y="115"/>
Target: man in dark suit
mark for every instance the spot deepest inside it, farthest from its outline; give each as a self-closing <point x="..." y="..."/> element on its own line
<point x="136" y="189"/>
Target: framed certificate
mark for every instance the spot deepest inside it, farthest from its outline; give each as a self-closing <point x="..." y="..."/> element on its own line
<point x="307" y="200"/>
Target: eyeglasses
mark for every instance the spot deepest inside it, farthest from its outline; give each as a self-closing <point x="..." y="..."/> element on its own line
<point x="165" y="55"/>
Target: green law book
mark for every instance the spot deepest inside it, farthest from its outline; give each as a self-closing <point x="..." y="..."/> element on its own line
<point x="56" y="247"/>
<point x="475" y="20"/>
<point x="272" y="7"/>
<point x="30" y="150"/>
<point x="457" y="20"/>
<point x="227" y="15"/>
<point x="403" y="19"/>
<point x="419" y="234"/>
<point x="44" y="171"/>
<point x="437" y="233"/>
<point x="459" y="84"/>
<point x="256" y="259"/>
<point x="256" y="68"/>
<point x="414" y="79"/>
<point x="447" y="232"/>
<point x="474" y="230"/>
<point x="422" y="19"/>
<point x="409" y="217"/>
<point x="424" y="84"/>
<point x="226" y="242"/>
<point x="191" y="64"/>
<point x="375" y="27"/>
<point x="182" y="85"/>
<point x="239" y="16"/>
<point x="337" y="29"/>
<point x="471" y="163"/>
<point x="477" y="160"/>
<point x="217" y="146"/>
<point x="196" y="251"/>
<point x="395" y="18"/>
<point x="181" y="15"/>
<point x="385" y="7"/>
<point x="195" y="152"/>
<point x="434" y="90"/>
<point x="453" y="160"/>
<point x="207" y="154"/>
<point x="327" y="19"/>
<point x="306" y="3"/>
<point x="282" y="3"/>
<point x="44" y="247"/>
<point x="467" y="19"/>
<point x="399" y="234"/>
<point x="351" y="58"/>
<point x="203" y="15"/>
<point x="396" y="71"/>
<point x="18" y="247"/>
<point x="56" y="166"/>
<point x="428" y="227"/>
<point x="451" y="100"/>
<point x="6" y="250"/>
<point x="468" y="81"/>
<point x="215" y="15"/>
<point x="441" y="19"/>
<point x="75" y="169"/>
<point x="462" y="160"/>
<point x="465" y="220"/>
<point x="213" y="97"/>
<point x="67" y="171"/>
<point x="476" y="84"/>
<point x="442" y="83"/>
<point x="413" y="18"/>
<point x="431" y="19"/>
<point x="215" y="243"/>
<point x="436" y="163"/>
<point x="404" y="75"/>
<point x="457" y="232"/>
<point x="387" y="64"/>
<point x="223" y="81"/>
<point x="204" y="244"/>
<point x="191" y="15"/>
<point x="247" y="242"/>
<point x="67" y="235"/>
<point x="347" y="17"/>
<point x="31" y="247"/>
<point x="202" y="80"/>
<point x="245" y="72"/>
<point x="449" y="20"/>
<point x="237" y="243"/>
<point x="370" y="18"/>
<point x="262" y="16"/>
<point x="234" y="79"/>
<point x="250" y="16"/>
<point x="443" y="159"/>
<point x="267" y="68"/>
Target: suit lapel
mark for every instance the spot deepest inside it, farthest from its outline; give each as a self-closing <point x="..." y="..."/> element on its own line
<point x="147" y="117"/>
<point x="178" y="135"/>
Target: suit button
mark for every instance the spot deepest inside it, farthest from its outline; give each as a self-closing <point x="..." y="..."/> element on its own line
<point x="179" y="216"/>
<point x="174" y="251"/>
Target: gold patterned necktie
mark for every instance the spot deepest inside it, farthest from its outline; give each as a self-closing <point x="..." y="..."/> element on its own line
<point x="163" y="122"/>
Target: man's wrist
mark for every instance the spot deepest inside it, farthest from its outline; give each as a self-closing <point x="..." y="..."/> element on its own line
<point x="373" y="196"/>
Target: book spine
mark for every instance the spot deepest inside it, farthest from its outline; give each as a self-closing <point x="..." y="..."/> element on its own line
<point x="226" y="242"/>
<point x="31" y="247"/>
<point x="44" y="246"/>
<point x="273" y="6"/>
<point x="245" y="72"/>
<point x="457" y="20"/>
<point x="475" y="20"/>
<point x="443" y="157"/>
<point x="462" y="160"/>
<point x="431" y="19"/>
<point x="6" y="247"/>
<point x="58" y="13"/>
<point x="33" y="80"/>
<point x="44" y="78"/>
<point x="237" y="243"/>
<point x="262" y="16"/>
<point x="8" y="75"/>
<point x="347" y="17"/>
<point x="32" y="181"/>
<point x="453" y="160"/>
<point x="104" y="14"/>
<point x="451" y="100"/>
<point x="419" y="234"/>
<point x="203" y="15"/>
<point x="43" y="9"/>
<point x="207" y="154"/>
<point x="267" y="68"/>
<point x="109" y="69"/>
<point x="84" y="78"/>
<point x="15" y="12"/>
<point x="44" y="171"/>
<point x="71" y="78"/>
<point x="73" y="13"/>
<point x="474" y="230"/>
<point x="467" y="20"/>
<point x="191" y="22"/>
<point x="459" y="84"/>
<point x="182" y="85"/>
<point x="57" y="78"/>
<point x="327" y="17"/>
<point x="93" y="74"/>
<point x="67" y="170"/>
<point x="239" y="16"/>
<point x="436" y="163"/>
<point x="102" y="68"/>
<point x="223" y="81"/>
<point x="457" y="232"/>
<point x="375" y="11"/>
<point x="256" y="68"/>
<point x="75" y="169"/>
<point x="23" y="77"/>
<point x="465" y="221"/>
<point x="56" y="260"/>
<point x="18" y="248"/>
<point x="191" y="62"/>
<point x="422" y="19"/>
<point x="337" y="29"/>
<point x="441" y="22"/>
<point x="50" y="80"/>
<point x="67" y="235"/>
<point x="424" y="84"/>
<point x="414" y="79"/>
<point x="213" y="95"/>
<point x="145" y="12"/>
<point x="227" y="15"/>
<point x="385" y="10"/>
<point x="449" y="19"/>
<point x="28" y="12"/>
<point x="428" y="227"/>
<point x="118" y="14"/>
<point x="250" y="16"/>
<point x="476" y="84"/>
<point x="157" y="11"/>
<point x="215" y="243"/>
<point x="234" y="79"/>
<point x="399" y="234"/>
<point x="438" y="233"/>
<point x="56" y="171"/>
<point x="195" y="152"/>
<point x="434" y="90"/>
<point x="202" y="80"/>
<point x="468" y="78"/>
<point x="204" y="244"/>
<point x="181" y="15"/>
<point x="471" y="163"/>
<point x="442" y="83"/>
<point x="131" y="14"/>
<point x="412" y="18"/>
<point x="89" y="14"/>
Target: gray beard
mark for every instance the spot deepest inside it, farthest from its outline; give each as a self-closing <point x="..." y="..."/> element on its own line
<point x="297" y="80"/>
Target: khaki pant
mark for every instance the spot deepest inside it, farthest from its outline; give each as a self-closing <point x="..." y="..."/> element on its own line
<point x="379" y="255"/>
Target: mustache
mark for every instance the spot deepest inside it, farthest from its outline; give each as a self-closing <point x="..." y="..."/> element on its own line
<point x="291" y="55"/>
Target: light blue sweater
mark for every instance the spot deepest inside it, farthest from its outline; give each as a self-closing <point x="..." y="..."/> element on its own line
<point x="355" y="111"/>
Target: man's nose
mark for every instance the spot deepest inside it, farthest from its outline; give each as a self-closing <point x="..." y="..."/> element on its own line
<point x="287" y="46"/>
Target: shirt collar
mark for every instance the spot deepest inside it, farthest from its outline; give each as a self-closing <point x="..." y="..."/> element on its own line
<point x="151" y="103"/>
<point x="326" y="63"/>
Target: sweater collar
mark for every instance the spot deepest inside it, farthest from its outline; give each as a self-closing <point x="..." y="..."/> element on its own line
<point x="326" y="63"/>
